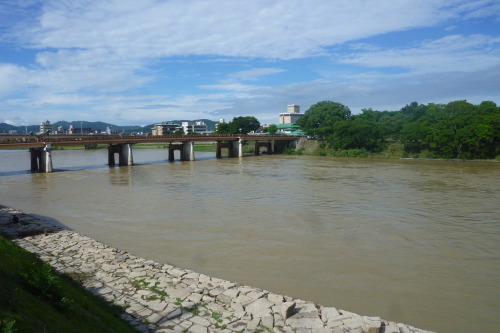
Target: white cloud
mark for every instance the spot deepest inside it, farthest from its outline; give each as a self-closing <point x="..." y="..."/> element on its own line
<point x="455" y="52"/>
<point x="256" y="73"/>
<point x="278" y="29"/>
<point x="229" y="86"/>
<point x="232" y="82"/>
<point x="98" y="58"/>
<point x="441" y="87"/>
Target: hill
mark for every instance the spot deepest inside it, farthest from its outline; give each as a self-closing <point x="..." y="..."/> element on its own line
<point x="210" y="124"/>
<point x="96" y="125"/>
<point x="5" y="128"/>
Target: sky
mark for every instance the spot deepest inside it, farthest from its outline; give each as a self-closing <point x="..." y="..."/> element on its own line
<point x="130" y="62"/>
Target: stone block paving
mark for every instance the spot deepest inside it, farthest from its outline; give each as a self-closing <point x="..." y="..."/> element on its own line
<point x="163" y="298"/>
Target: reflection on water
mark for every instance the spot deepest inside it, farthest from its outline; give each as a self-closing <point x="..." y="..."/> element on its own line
<point x="120" y="176"/>
<point x="410" y="241"/>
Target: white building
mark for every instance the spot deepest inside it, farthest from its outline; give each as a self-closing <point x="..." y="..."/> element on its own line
<point x="79" y="131"/>
<point x="46" y="127"/>
<point x="291" y="116"/>
<point x="194" y="127"/>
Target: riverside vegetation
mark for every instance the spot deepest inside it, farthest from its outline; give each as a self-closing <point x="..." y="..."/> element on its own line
<point x="457" y="130"/>
<point x="35" y="298"/>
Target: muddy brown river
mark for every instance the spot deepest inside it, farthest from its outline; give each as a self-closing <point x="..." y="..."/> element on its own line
<point x="410" y="241"/>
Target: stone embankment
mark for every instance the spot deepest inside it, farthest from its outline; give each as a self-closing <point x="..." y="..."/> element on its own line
<point x="162" y="298"/>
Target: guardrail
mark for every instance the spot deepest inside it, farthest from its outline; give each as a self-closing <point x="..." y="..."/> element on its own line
<point x="39" y="140"/>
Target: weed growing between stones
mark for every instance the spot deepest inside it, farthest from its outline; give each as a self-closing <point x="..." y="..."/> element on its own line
<point x="159" y="292"/>
<point x="144" y="285"/>
<point x="195" y="309"/>
<point x="140" y="284"/>
<point x="263" y="328"/>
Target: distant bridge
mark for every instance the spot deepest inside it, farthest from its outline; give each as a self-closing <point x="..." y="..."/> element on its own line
<point x="40" y="147"/>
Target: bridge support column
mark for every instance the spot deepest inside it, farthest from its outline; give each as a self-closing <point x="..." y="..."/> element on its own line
<point x="220" y="146"/>
<point x="124" y="151"/>
<point x="268" y="145"/>
<point x="47" y="158"/>
<point x="279" y="146"/>
<point x="188" y="150"/>
<point x="237" y="148"/>
<point x="41" y="159"/>
<point x="128" y="158"/>
<point x="35" y="156"/>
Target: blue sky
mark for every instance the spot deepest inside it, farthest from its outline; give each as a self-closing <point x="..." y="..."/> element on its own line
<point x="131" y="62"/>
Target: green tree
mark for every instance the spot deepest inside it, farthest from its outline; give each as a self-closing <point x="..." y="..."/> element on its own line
<point x="223" y="128"/>
<point x="357" y="133"/>
<point x="319" y="119"/>
<point x="179" y="132"/>
<point x="272" y="129"/>
<point x="413" y="110"/>
<point x="455" y="130"/>
<point x="244" y="125"/>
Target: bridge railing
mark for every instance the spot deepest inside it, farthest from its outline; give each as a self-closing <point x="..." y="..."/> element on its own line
<point x="54" y="139"/>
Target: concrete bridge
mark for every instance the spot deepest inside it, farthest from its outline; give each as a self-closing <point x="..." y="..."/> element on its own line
<point x="40" y="147"/>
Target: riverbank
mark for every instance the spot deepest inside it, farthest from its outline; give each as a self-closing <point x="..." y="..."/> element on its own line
<point x="162" y="298"/>
<point x="393" y="150"/>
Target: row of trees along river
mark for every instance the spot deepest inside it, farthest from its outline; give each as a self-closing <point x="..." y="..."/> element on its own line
<point x="455" y="130"/>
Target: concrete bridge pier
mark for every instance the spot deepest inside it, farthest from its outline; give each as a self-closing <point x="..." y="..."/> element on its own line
<point x="222" y="145"/>
<point x="124" y="151"/>
<point x="268" y="145"/>
<point x="237" y="148"/>
<point x="35" y="156"/>
<point x="128" y="158"/>
<point x="41" y="159"/>
<point x="280" y="146"/>
<point x="186" y="149"/>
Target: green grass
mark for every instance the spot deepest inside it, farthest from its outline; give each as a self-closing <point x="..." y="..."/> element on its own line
<point x="205" y="147"/>
<point x="34" y="298"/>
<point x="150" y="146"/>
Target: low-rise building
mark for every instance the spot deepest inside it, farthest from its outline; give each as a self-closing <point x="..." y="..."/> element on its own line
<point x="290" y="129"/>
<point x="111" y="131"/>
<point x="165" y="128"/>
<point x="80" y="131"/>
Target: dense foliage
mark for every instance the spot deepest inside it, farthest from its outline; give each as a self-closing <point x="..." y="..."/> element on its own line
<point x="271" y="129"/>
<point x="455" y="130"/>
<point x="239" y="125"/>
<point x="320" y="118"/>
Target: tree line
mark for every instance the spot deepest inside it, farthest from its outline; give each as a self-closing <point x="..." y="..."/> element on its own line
<point x="239" y="125"/>
<point x="455" y="130"/>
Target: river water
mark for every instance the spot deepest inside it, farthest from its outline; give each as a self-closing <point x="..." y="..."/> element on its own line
<point x="410" y="241"/>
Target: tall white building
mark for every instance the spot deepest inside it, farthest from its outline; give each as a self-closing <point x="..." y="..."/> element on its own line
<point x="46" y="127"/>
<point x="291" y="116"/>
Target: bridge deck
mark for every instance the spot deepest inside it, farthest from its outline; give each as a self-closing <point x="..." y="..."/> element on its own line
<point x="27" y="141"/>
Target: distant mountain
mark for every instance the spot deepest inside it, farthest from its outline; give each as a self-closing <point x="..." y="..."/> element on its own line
<point x="5" y="128"/>
<point x="210" y="124"/>
<point x="96" y="125"/>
